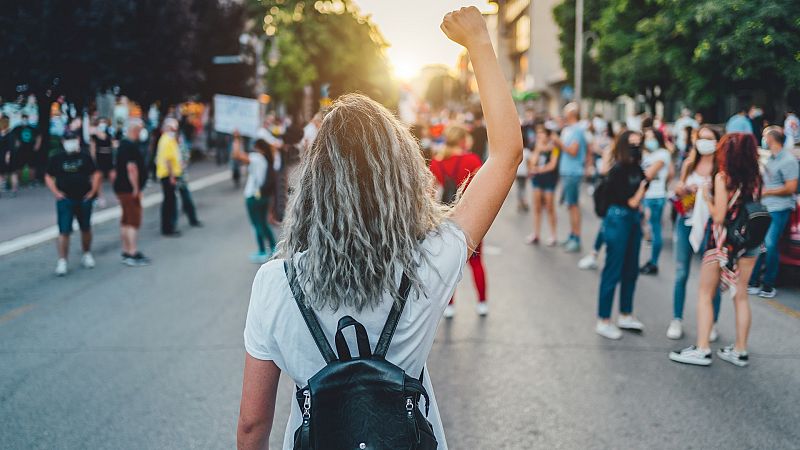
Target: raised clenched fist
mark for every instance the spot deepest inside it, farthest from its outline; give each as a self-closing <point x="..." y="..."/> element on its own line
<point x="465" y="26"/>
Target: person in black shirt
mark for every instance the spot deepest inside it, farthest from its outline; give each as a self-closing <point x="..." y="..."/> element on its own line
<point x="27" y="147"/>
<point x="130" y="177"/>
<point x="6" y="156"/>
<point x="622" y="234"/>
<point x="102" y="148"/>
<point x="73" y="179"/>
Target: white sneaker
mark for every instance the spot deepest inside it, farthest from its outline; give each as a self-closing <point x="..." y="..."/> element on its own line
<point x="753" y="290"/>
<point x="734" y="356"/>
<point x="61" y="267"/>
<point x="630" y="323"/>
<point x="449" y="312"/>
<point x="588" y="262"/>
<point x="675" y="330"/>
<point x="482" y="308"/>
<point x="714" y="335"/>
<point x="608" y="330"/>
<point x="692" y="355"/>
<point x="87" y="260"/>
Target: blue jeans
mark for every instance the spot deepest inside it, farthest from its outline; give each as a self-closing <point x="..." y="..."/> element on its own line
<point x="770" y="259"/>
<point x="683" y="265"/>
<point x="656" y="207"/>
<point x="622" y="234"/>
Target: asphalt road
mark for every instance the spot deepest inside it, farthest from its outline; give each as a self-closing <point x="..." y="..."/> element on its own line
<point x="141" y="358"/>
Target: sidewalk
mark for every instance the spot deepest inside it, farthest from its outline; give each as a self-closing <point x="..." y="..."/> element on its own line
<point x="33" y="209"/>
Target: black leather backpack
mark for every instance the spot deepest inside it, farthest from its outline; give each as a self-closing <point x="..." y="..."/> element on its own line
<point x="362" y="402"/>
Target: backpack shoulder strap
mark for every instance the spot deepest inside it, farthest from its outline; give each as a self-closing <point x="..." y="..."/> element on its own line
<point x="394" y="317"/>
<point x="308" y="316"/>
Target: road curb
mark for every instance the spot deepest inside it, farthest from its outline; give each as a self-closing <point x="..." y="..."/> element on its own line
<point x="37" y="237"/>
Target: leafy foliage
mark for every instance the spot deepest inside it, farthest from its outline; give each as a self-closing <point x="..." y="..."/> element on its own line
<point x="324" y="43"/>
<point x="695" y="50"/>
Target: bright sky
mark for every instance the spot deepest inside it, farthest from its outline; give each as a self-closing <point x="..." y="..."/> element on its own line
<point x="412" y="29"/>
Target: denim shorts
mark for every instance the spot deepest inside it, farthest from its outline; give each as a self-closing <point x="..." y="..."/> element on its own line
<point x="68" y="210"/>
<point x="543" y="186"/>
<point x="570" y="189"/>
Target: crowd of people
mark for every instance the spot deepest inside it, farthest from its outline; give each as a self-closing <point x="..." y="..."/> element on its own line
<point x="637" y="172"/>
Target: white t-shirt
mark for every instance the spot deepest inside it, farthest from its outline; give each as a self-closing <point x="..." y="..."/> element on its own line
<point x="256" y="174"/>
<point x="275" y="330"/>
<point x="658" y="185"/>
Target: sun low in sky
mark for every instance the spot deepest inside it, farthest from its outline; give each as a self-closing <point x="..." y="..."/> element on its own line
<point x="412" y="29"/>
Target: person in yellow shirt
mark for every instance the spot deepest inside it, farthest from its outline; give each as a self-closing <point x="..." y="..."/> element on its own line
<point x="168" y="169"/>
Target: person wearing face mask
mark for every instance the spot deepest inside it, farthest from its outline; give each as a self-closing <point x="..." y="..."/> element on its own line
<point x="454" y="167"/>
<point x="102" y="148"/>
<point x="656" y="161"/>
<point x="780" y="185"/>
<point x="168" y="169"/>
<point x="695" y="173"/>
<point x="74" y="180"/>
<point x="622" y="234"/>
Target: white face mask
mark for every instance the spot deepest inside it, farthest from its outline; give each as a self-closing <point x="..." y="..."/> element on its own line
<point x="143" y="135"/>
<point x="72" y="146"/>
<point x="102" y="127"/>
<point x="706" y="146"/>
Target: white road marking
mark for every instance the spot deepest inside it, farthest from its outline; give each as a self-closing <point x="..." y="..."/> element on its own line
<point x="46" y="234"/>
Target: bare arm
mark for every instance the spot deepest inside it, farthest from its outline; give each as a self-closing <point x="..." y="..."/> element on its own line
<point x="133" y="176"/>
<point x="571" y="149"/>
<point x="257" y="409"/>
<point x="237" y="152"/>
<point x="482" y="200"/>
<point x="636" y="200"/>
<point x="652" y="171"/>
<point x="718" y="205"/>
<point x="788" y="188"/>
<point x="97" y="179"/>
<point x="51" y="184"/>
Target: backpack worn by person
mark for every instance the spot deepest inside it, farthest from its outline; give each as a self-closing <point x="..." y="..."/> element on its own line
<point x="270" y="185"/>
<point x="601" y="197"/>
<point x="450" y="183"/>
<point x="748" y="228"/>
<point x="362" y="402"/>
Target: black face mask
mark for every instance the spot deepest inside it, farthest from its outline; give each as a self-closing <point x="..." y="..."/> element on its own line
<point x="636" y="152"/>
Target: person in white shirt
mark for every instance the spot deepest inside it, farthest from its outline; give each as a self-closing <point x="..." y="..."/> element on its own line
<point x="656" y="163"/>
<point x="258" y="189"/>
<point x="363" y="215"/>
<point x="310" y="132"/>
<point x="791" y="128"/>
<point x="681" y="137"/>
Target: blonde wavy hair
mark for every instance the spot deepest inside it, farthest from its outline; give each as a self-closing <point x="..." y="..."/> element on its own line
<point x="363" y="202"/>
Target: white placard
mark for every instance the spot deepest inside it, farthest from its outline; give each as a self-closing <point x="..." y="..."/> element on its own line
<point x="236" y="113"/>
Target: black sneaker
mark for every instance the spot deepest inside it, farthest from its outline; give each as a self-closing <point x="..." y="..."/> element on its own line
<point x="733" y="356"/>
<point x="128" y="260"/>
<point x="767" y="292"/>
<point x="649" y="269"/>
<point x="197" y="224"/>
<point x="692" y="355"/>
<point x="141" y="260"/>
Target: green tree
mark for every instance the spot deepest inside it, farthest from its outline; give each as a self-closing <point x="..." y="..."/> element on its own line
<point x="328" y="42"/>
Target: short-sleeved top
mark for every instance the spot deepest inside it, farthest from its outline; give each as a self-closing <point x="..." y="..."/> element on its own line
<point x="168" y="152"/>
<point x="780" y="168"/>
<point x="546" y="178"/>
<point x="623" y="182"/>
<point x="459" y="167"/>
<point x="658" y="185"/>
<point x="275" y="329"/>
<point x="128" y="152"/>
<point x="573" y="166"/>
<point x="73" y="173"/>
<point x="256" y="174"/>
<point x="739" y="124"/>
<point x="104" y="145"/>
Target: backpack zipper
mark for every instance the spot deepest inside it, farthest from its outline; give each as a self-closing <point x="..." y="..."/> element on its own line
<point x="307" y="405"/>
<point x="409" y="406"/>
